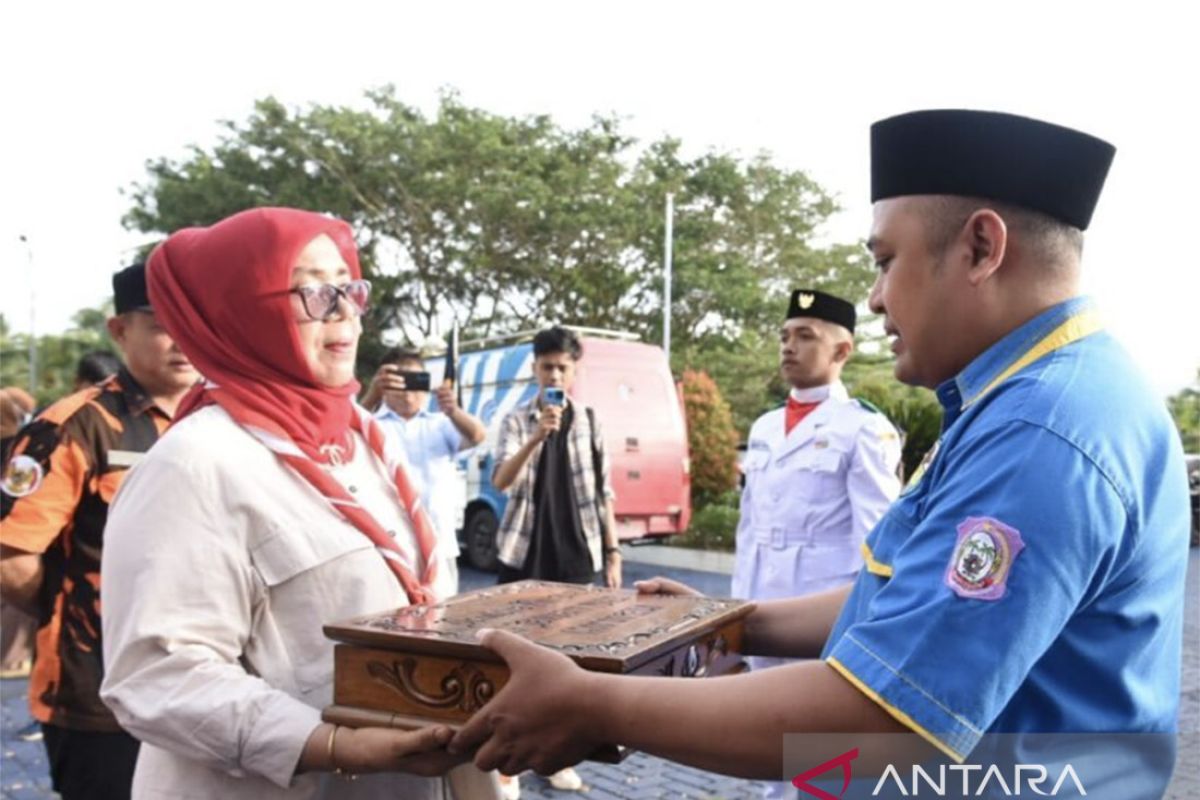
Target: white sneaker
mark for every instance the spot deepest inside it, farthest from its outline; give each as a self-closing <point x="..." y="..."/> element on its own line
<point x="510" y="786"/>
<point x="566" y="780"/>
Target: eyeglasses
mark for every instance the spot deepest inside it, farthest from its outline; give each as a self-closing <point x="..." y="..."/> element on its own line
<point x="320" y="300"/>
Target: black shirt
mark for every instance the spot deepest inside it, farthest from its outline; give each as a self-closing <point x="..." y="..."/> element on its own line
<point x="558" y="549"/>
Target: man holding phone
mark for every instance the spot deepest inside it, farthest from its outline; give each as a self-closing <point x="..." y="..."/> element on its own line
<point x="431" y="440"/>
<point x="550" y="460"/>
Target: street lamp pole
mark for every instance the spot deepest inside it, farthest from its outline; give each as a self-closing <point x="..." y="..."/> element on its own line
<point x="33" y="376"/>
<point x="667" y="277"/>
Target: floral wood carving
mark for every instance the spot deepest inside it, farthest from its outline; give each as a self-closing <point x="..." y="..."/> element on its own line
<point x="464" y="686"/>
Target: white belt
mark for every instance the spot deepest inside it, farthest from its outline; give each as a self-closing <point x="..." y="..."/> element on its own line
<point x="779" y="537"/>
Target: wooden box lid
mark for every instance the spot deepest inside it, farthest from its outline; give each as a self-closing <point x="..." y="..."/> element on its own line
<point x="606" y="630"/>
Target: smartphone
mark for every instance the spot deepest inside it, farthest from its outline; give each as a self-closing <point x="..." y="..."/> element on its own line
<point x="554" y="396"/>
<point x="415" y="381"/>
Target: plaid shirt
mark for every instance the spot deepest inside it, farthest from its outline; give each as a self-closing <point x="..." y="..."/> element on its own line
<point x="517" y="526"/>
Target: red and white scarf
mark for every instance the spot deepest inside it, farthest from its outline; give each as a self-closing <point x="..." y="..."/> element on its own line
<point x="417" y="580"/>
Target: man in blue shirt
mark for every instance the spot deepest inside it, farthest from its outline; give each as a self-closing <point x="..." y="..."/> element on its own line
<point x="432" y="441"/>
<point x="1031" y="577"/>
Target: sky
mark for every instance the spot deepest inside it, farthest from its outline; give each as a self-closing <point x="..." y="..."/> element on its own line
<point x="92" y="91"/>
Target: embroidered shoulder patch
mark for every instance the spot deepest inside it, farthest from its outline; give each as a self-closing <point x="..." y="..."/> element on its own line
<point x="983" y="558"/>
<point x="22" y="476"/>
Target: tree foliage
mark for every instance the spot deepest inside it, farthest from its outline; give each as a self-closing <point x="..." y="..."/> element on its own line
<point x="1185" y="410"/>
<point x="57" y="354"/>
<point x="493" y="221"/>
<point x="504" y="223"/>
<point x="712" y="438"/>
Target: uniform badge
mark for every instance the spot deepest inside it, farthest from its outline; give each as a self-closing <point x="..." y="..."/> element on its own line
<point x="983" y="558"/>
<point x="22" y="476"/>
<point x="806" y="300"/>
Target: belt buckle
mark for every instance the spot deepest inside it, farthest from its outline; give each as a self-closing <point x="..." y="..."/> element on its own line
<point x="778" y="538"/>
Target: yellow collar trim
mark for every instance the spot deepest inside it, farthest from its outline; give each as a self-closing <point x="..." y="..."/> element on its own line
<point x="1077" y="327"/>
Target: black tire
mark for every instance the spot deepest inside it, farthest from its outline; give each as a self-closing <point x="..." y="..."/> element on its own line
<point x="480" y="538"/>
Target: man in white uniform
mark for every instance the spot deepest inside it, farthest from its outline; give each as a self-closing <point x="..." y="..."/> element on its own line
<point x="820" y="471"/>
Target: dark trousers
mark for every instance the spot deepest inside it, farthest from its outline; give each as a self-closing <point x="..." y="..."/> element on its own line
<point x="90" y="765"/>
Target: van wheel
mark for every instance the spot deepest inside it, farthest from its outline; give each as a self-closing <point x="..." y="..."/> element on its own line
<point x="481" y="540"/>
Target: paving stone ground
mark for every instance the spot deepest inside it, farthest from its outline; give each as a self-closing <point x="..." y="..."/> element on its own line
<point x="23" y="769"/>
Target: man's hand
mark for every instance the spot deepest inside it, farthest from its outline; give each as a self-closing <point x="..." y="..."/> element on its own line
<point x="540" y="720"/>
<point x="612" y="570"/>
<point x="469" y="427"/>
<point x="665" y="586"/>
<point x="549" y="421"/>
<point x="446" y="400"/>
<point x="386" y="379"/>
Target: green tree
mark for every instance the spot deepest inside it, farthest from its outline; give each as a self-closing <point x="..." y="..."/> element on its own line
<point x="742" y="241"/>
<point x="745" y="367"/>
<point x="712" y="439"/>
<point x="493" y="221"/>
<point x="742" y="238"/>
<point x="504" y="223"/>
<point x="1185" y="410"/>
<point x="57" y="354"/>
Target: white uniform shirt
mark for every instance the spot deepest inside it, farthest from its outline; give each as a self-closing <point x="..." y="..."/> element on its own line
<point x="220" y="566"/>
<point x="812" y="496"/>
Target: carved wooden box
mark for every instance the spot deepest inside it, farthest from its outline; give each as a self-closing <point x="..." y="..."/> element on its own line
<point x="422" y="664"/>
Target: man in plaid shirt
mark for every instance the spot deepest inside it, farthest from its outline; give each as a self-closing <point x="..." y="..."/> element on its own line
<point x="559" y="522"/>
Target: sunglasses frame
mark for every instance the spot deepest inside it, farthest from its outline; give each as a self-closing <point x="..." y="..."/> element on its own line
<point x="308" y="293"/>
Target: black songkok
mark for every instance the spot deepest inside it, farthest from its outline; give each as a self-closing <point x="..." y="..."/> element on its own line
<point x="811" y="303"/>
<point x="1002" y="157"/>
<point x="129" y="289"/>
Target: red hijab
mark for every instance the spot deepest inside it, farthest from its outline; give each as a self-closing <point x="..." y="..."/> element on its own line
<point x="222" y="293"/>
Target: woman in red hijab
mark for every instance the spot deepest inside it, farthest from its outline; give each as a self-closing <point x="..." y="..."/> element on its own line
<point x="272" y="505"/>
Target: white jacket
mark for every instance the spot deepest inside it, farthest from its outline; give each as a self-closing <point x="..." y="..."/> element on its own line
<point x="812" y="496"/>
<point x="220" y="567"/>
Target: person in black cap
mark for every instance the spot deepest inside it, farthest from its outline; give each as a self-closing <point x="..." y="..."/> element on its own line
<point x="1029" y="579"/>
<point x="820" y="471"/>
<point x="64" y="470"/>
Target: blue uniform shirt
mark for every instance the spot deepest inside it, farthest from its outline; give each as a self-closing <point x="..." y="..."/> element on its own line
<point x="1032" y="579"/>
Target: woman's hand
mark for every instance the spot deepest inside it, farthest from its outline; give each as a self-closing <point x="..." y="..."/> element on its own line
<point x="360" y="750"/>
<point x="665" y="586"/>
<point x="421" y="752"/>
